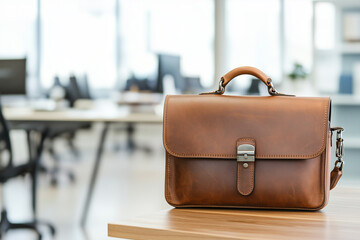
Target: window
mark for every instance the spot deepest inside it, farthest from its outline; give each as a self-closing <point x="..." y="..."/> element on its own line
<point x="18" y="35"/>
<point x="78" y="37"/>
<point x="183" y="27"/>
<point x="253" y="36"/>
<point x="298" y="34"/>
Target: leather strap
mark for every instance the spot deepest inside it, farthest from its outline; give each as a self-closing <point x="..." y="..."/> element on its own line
<point x="246" y="70"/>
<point x="246" y="178"/>
<point x="245" y="171"/>
<point x="335" y="176"/>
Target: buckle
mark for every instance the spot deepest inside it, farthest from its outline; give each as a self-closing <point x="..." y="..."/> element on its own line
<point x="246" y="153"/>
<point x="245" y="179"/>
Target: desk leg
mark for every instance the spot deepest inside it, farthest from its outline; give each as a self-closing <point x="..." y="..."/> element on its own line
<point x="38" y="149"/>
<point x="94" y="174"/>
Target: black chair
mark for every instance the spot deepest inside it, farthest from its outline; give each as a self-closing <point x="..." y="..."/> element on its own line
<point x="76" y="89"/>
<point x="73" y="92"/>
<point x="8" y="171"/>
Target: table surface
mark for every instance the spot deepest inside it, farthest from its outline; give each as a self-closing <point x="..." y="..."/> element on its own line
<point x="339" y="220"/>
<point x="102" y="111"/>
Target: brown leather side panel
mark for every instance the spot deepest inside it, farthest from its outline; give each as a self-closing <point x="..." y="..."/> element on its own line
<point x="289" y="184"/>
<point x="327" y="169"/>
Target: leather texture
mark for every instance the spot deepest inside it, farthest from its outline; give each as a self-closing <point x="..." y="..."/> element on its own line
<point x="208" y="126"/>
<point x="245" y="171"/>
<point x="336" y="174"/>
<point x="245" y="70"/>
<point x="292" y="141"/>
<point x="279" y="184"/>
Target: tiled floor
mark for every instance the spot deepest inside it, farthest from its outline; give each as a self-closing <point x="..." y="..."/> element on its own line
<point x="128" y="185"/>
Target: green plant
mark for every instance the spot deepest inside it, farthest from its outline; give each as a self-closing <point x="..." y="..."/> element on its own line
<point x="298" y="72"/>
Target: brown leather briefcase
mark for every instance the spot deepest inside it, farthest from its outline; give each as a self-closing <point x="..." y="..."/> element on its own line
<point x="249" y="151"/>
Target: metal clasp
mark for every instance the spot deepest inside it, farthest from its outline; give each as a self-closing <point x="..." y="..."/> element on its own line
<point x="246" y="153"/>
<point x="273" y="92"/>
<point x="339" y="147"/>
<point x="220" y="90"/>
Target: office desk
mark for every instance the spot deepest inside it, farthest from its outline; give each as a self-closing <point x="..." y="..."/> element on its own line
<point x="339" y="220"/>
<point x="42" y="120"/>
<point x="76" y="115"/>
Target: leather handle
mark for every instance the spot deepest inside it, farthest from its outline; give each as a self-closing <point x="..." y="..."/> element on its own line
<point x="335" y="176"/>
<point x="246" y="70"/>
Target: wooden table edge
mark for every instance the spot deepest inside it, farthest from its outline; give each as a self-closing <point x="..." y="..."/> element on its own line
<point x="134" y="232"/>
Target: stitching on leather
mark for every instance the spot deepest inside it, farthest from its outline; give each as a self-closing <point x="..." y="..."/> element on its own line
<point x="325" y="158"/>
<point x="251" y="140"/>
<point x="323" y="175"/>
<point x="238" y="177"/>
<point x="252" y="181"/>
<point x="246" y="207"/>
<point x="233" y="155"/>
<point x="167" y="192"/>
<point x="167" y="176"/>
<point x="246" y="139"/>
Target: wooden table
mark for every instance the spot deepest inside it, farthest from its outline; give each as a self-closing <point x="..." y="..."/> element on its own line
<point x="339" y="220"/>
<point x="102" y="111"/>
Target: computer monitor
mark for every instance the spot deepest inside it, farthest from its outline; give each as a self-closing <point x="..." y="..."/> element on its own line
<point x="193" y="85"/>
<point x="12" y="76"/>
<point x="169" y="65"/>
<point x="84" y="87"/>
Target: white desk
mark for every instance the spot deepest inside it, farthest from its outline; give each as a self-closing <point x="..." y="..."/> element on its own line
<point x="101" y="112"/>
<point x="110" y="113"/>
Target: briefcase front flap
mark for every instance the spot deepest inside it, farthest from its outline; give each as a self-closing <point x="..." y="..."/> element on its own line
<point x="208" y="126"/>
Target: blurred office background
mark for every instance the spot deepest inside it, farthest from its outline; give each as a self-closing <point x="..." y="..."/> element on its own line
<point x="93" y="57"/>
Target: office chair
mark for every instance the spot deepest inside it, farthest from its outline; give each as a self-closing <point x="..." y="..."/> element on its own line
<point x="8" y="171"/>
<point x="75" y="90"/>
